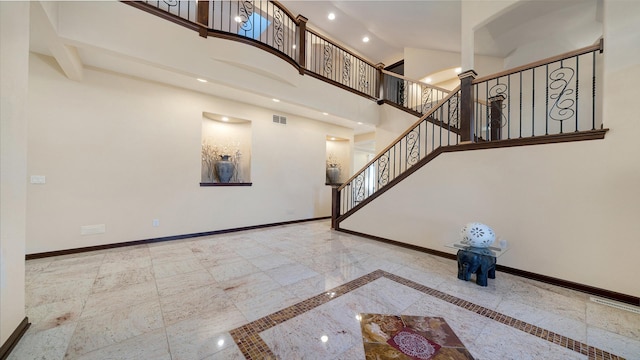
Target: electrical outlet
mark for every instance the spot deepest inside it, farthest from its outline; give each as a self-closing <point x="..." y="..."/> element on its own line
<point x="92" y="229"/>
<point x="38" y="179"/>
<point x="156" y="222"/>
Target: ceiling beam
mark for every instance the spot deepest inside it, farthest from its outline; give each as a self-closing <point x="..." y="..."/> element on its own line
<point x="66" y="56"/>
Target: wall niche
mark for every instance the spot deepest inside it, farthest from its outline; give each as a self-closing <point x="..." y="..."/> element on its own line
<point x="226" y="151"/>
<point x="338" y="160"/>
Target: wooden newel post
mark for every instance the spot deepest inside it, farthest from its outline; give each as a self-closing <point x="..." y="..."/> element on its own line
<point x="496" y="116"/>
<point x="203" y="17"/>
<point x="302" y="43"/>
<point x="467" y="123"/>
<point x="335" y="207"/>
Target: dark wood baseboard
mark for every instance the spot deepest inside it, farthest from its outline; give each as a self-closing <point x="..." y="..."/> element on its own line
<point x="166" y="238"/>
<point x="401" y="244"/>
<point x="624" y="298"/>
<point x="13" y="339"/>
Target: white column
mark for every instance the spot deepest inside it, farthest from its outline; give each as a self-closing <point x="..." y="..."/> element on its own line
<point x="467" y="34"/>
<point x="14" y="72"/>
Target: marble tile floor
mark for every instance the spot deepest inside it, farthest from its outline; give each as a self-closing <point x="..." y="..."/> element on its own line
<point x="279" y="292"/>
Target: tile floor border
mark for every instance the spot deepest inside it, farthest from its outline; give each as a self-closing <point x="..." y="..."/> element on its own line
<point x="248" y="339"/>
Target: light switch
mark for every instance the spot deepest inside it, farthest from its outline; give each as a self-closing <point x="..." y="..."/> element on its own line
<point x="38" y="179"/>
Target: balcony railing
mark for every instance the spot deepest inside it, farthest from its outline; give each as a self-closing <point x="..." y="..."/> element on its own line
<point x="546" y="101"/>
<point x="410" y="94"/>
<point x="332" y="62"/>
<point x="548" y="97"/>
<point x="551" y="100"/>
<point x="270" y="26"/>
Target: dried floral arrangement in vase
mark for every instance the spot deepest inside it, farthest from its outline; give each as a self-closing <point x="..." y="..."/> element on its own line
<point x="221" y="163"/>
<point x="333" y="169"/>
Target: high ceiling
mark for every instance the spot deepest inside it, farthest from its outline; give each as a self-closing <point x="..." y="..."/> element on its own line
<point x="547" y="27"/>
<point x="390" y="25"/>
<point x="436" y="25"/>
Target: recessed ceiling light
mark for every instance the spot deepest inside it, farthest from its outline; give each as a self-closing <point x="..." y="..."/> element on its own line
<point x="333" y="138"/>
<point x="359" y="122"/>
<point x="275" y="100"/>
<point x="325" y="113"/>
<point x="331" y="16"/>
<point x="202" y="80"/>
<point x="428" y="80"/>
<point x="224" y="118"/>
<point x="365" y="39"/>
<point x="458" y="70"/>
<point x="324" y="338"/>
<point x="237" y="19"/>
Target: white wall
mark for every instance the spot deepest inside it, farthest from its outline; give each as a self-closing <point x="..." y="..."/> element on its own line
<point x="121" y="151"/>
<point x="568" y="210"/>
<point x="419" y="63"/>
<point x="393" y="122"/>
<point x="233" y="69"/>
<point x="14" y="40"/>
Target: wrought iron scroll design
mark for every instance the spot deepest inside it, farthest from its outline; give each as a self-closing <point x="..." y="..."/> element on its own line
<point x="346" y="70"/>
<point x="171" y="2"/>
<point x="245" y="10"/>
<point x="328" y="59"/>
<point x="358" y="195"/>
<point x="454" y="107"/>
<point x="363" y="83"/>
<point x="498" y="90"/>
<point x="383" y="169"/>
<point x="413" y="147"/>
<point x="562" y="108"/>
<point x="427" y="95"/>
<point x="278" y="28"/>
<point x="402" y="93"/>
<point x="540" y="98"/>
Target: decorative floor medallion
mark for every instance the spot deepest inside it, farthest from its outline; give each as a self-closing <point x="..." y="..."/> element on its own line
<point x="253" y="347"/>
<point x="410" y="338"/>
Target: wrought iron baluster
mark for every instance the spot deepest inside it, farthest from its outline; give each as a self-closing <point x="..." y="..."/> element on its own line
<point x="533" y="102"/>
<point x="477" y="113"/>
<point x="486" y="115"/>
<point x="346" y="69"/>
<point x="593" y="93"/>
<point x="327" y="59"/>
<point x="547" y="103"/>
<point x="245" y="12"/>
<point x="562" y="108"/>
<point x="449" y="123"/>
<point x="577" y="89"/>
<point x="509" y="107"/>
<point x="278" y="29"/>
<point x="433" y="130"/>
<point x="520" y="104"/>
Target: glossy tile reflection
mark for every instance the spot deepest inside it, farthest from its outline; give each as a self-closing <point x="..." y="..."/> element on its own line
<point x="410" y="337"/>
<point x="298" y="291"/>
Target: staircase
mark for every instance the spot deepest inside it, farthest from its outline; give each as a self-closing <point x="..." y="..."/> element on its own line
<point x="548" y="101"/>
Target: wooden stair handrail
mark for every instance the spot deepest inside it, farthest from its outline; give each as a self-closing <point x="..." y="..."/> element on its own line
<point x="585" y="50"/>
<point x="386" y="72"/>
<point x="399" y="138"/>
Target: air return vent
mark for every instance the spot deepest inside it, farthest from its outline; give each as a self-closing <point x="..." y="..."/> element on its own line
<point x="617" y="305"/>
<point x="279" y="119"/>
